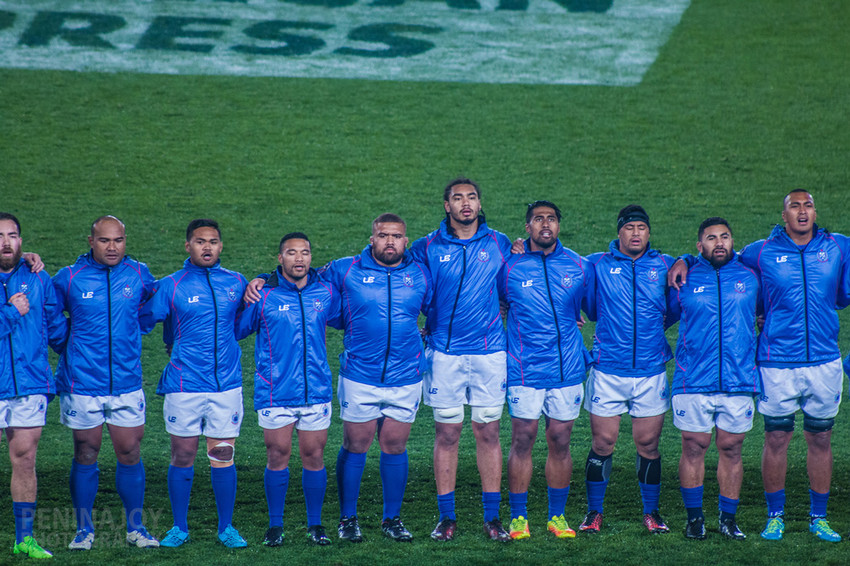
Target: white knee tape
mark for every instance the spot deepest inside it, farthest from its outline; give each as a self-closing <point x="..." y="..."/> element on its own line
<point x="222" y="444"/>
<point x="452" y="415"/>
<point x="486" y="415"/>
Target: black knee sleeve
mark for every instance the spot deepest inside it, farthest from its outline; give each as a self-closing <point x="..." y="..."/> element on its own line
<point x="648" y="471"/>
<point x="783" y="424"/>
<point x="811" y="424"/>
<point x="598" y="468"/>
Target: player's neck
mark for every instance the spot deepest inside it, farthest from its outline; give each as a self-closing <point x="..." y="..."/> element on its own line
<point x="464" y="231"/>
<point x="801" y="239"/>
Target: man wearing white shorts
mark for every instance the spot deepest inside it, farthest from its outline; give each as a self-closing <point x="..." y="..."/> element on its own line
<point x="30" y="318"/>
<point x="544" y="289"/>
<point x="630" y="352"/>
<point x="383" y="291"/>
<point x="293" y="383"/>
<point x="716" y="376"/>
<point x="466" y="350"/>
<point x="803" y="271"/>
<point x="202" y="383"/>
<point x="99" y="376"/>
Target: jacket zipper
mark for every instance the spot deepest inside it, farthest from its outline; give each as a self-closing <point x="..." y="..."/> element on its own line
<point x="109" y="322"/>
<point x="215" y="333"/>
<point x="389" y="323"/>
<point x="304" y="339"/>
<point x="555" y="315"/>
<point x="457" y="297"/>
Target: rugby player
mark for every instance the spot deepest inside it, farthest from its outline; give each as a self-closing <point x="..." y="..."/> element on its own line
<point x="202" y="383"/>
<point x="99" y="376"/>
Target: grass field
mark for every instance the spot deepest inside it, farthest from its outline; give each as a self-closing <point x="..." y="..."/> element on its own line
<point x="746" y="101"/>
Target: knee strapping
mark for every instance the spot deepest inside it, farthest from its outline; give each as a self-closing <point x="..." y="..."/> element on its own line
<point x="452" y="415"/>
<point x="779" y="424"/>
<point x="486" y="415"/>
<point x="811" y="424"/>
<point x="222" y="453"/>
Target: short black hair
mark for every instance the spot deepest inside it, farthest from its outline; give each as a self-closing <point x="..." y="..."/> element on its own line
<point x="201" y="223"/>
<point x="13" y="218"/>
<point x="293" y="236"/>
<point x="797" y="190"/>
<point x="529" y="213"/>
<point x="388" y="217"/>
<point x="713" y="221"/>
<point x="460" y="181"/>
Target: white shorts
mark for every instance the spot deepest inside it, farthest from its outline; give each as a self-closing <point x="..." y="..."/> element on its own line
<point x="360" y="403"/>
<point x="23" y="412"/>
<point x="215" y="414"/>
<point x="816" y="390"/>
<point x="305" y="417"/>
<point x="479" y="380"/>
<point x="562" y="403"/>
<point x="82" y="412"/>
<point x="612" y="395"/>
<point x="698" y="412"/>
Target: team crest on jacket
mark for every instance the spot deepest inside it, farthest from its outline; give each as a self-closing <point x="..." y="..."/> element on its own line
<point x="128" y="291"/>
<point x="231" y="294"/>
<point x="653" y="274"/>
<point x="822" y="256"/>
<point x="567" y="281"/>
<point x="318" y="305"/>
<point x="24" y="288"/>
<point x="483" y="255"/>
<point x="740" y="287"/>
<point x="408" y="280"/>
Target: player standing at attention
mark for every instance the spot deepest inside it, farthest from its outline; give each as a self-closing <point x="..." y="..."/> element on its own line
<point x="99" y="377"/>
<point x="202" y="383"/>
<point x="466" y="349"/>
<point x="803" y="271"/>
<point x="29" y="319"/>
<point x="293" y="383"/>
<point x="544" y="289"/>
<point x="716" y="376"/>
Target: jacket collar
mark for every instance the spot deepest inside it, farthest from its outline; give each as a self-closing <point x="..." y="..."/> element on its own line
<point x="482" y="231"/>
<point x="614" y="248"/>
<point x="189" y="266"/>
<point x="277" y="279"/>
<point x="527" y="245"/>
<point x="778" y="233"/>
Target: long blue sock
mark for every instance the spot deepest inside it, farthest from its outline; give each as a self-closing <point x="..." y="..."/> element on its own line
<point x="394" y="481"/>
<point x="491" y="500"/>
<point x="775" y="503"/>
<point x="130" y="485"/>
<point x="349" y="473"/>
<point x="692" y="497"/>
<point x="83" y="482"/>
<point x="276" y="483"/>
<point x="179" y="490"/>
<point x="446" y="506"/>
<point x="314" y="483"/>
<point x="557" y="500"/>
<point x="728" y="507"/>
<point x="24" y="516"/>
<point x="519" y="504"/>
<point x="596" y="495"/>
<point x="650" y="493"/>
<point x="224" y="489"/>
<point x="818" y="503"/>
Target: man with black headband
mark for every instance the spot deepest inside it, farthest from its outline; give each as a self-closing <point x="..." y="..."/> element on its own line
<point x="629" y="355"/>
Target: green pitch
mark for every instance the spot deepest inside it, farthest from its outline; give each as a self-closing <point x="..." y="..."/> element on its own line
<point x="745" y="101"/>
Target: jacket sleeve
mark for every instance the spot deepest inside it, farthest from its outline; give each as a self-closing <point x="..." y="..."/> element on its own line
<point x="335" y="308"/>
<point x="418" y="251"/>
<point x="589" y="284"/>
<point x="9" y="317"/>
<point x="148" y="282"/>
<point x="429" y="290"/>
<point x="57" y="324"/>
<point x="589" y="304"/>
<point x="248" y="321"/>
<point x="157" y="308"/>
<point x="843" y="299"/>
<point x="750" y="255"/>
<point x="674" y="307"/>
<point x="240" y="311"/>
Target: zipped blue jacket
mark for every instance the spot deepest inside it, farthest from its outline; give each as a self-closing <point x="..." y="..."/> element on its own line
<point x="802" y="289"/>
<point x="199" y="306"/>
<point x="290" y="355"/>
<point x="545" y="294"/>
<point x="629" y="304"/>
<point x="380" y="310"/>
<point x="104" y="349"/>
<point x="716" y="350"/>
<point x="463" y="317"/>
<point x="24" y="369"/>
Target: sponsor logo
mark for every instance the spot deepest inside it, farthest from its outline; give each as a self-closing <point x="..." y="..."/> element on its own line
<point x="653" y="274"/>
<point x="445" y="258"/>
<point x="680" y="412"/>
<point x="595" y="399"/>
<point x="344" y="404"/>
<point x="407" y="280"/>
<point x="514" y="400"/>
<point x="699" y="289"/>
<point x="616" y="270"/>
<point x="127" y="291"/>
<point x="318" y="305"/>
<point x="71" y="413"/>
<point x="781" y="259"/>
<point x="433" y="390"/>
<point x="740" y="287"/>
<point x="369" y="279"/>
<point x="483" y="256"/>
<point x="265" y="412"/>
<point x="528" y="283"/>
<point x="823" y="256"/>
<point x="88" y="294"/>
<point x="282" y="308"/>
<point x="194" y="299"/>
<point x="171" y="419"/>
<point x="763" y="398"/>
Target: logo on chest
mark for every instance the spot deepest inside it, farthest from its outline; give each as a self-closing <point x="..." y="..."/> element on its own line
<point x="407" y="280"/>
<point x="483" y="256"/>
<point x="781" y="259"/>
<point x="652" y="274"/>
<point x="24" y="288"/>
<point x="282" y="308"/>
<point x="445" y="258"/>
<point x="318" y="305"/>
<point x="231" y="295"/>
<point x="529" y="283"/>
<point x="823" y="256"/>
<point x="740" y="287"/>
<point x="567" y="281"/>
<point x="194" y="299"/>
<point x="88" y="295"/>
<point x="127" y="291"/>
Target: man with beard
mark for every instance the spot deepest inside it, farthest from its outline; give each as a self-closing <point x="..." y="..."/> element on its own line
<point x="803" y="272"/>
<point x="99" y="377"/>
<point x="716" y="376"/>
<point x="29" y="319"/>
<point x="544" y="289"/>
<point x="380" y="378"/>
<point x="466" y="349"/>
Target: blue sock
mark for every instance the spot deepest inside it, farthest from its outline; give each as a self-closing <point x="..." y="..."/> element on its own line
<point x="775" y="503"/>
<point x="24" y="517"/>
<point x="519" y="504"/>
<point x="130" y="485"/>
<point x="557" y="500"/>
<point x="83" y="482"/>
<point x="349" y="473"/>
<point x="446" y="506"/>
<point x="394" y="481"/>
<point x="224" y="489"/>
<point x="596" y="495"/>
<point x="275" y="483"/>
<point x="692" y="497"/>
<point x="491" y="501"/>
<point x="650" y="493"/>
<point x="314" y="483"/>
<point x="179" y="490"/>
<point x="728" y="508"/>
<point x="818" y="503"/>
